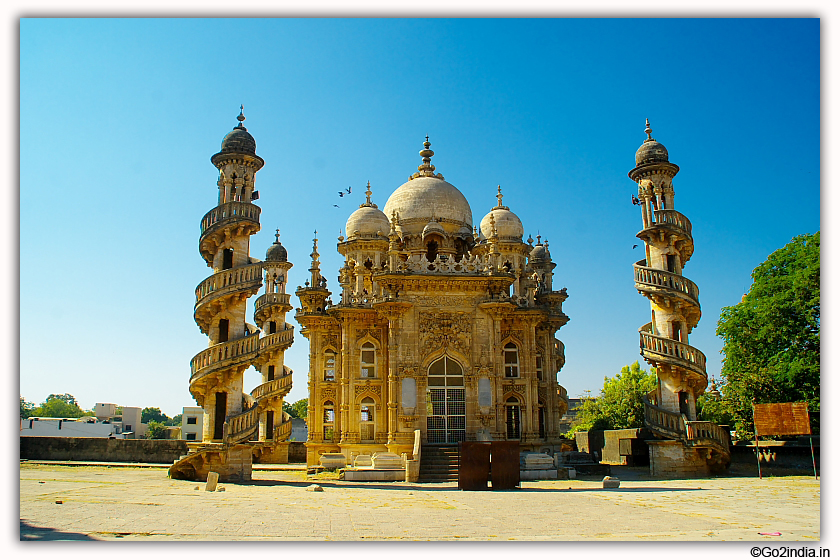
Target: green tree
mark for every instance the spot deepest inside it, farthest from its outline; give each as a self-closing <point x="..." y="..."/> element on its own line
<point x="620" y="403"/>
<point x="301" y="408"/>
<point x="714" y="410"/>
<point x="150" y="414"/>
<point x="772" y="337"/>
<point x="26" y="408"/>
<point x="175" y="421"/>
<point x="156" y="430"/>
<point x="287" y="408"/>
<point x="59" y="406"/>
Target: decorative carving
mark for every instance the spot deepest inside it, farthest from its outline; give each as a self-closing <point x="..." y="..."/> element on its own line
<point x="360" y="334"/>
<point x="367" y="387"/>
<point x="441" y="301"/>
<point x="407" y="371"/>
<point x="487" y="420"/>
<point x="542" y="394"/>
<point x="327" y="393"/>
<point x="517" y="388"/>
<point x="330" y="340"/>
<point x="440" y="329"/>
<point x="483" y="371"/>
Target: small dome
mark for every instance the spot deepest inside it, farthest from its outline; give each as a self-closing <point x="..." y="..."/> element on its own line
<point x="239" y="141"/>
<point x="651" y="152"/>
<point x="508" y="224"/>
<point x="433" y="227"/>
<point x="539" y="253"/>
<point x="276" y="253"/>
<point x="367" y="220"/>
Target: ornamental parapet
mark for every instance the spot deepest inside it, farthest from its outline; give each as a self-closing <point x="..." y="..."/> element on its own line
<point x="242" y="426"/>
<point x="662" y="349"/>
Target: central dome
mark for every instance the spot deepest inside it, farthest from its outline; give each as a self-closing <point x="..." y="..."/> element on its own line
<point x="427" y="198"/>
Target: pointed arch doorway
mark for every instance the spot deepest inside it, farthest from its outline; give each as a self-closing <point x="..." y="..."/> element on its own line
<point x="446" y="419"/>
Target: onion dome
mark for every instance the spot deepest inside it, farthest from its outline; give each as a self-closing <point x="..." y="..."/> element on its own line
<point x="508" y="224"/>
<point x="238" y="142"/>
<point x="368" y="219"/>
<point x="276" y="253"/>
<point x="427" y="196"/>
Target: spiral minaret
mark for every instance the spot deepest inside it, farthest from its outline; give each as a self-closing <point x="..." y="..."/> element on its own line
<point x="238" y="425"/>
<point x="687" y="446"/>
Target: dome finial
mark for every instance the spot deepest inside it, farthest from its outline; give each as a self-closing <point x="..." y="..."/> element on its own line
<point x="241" y="116"/>
<point x="368" y="192"/>
<point x="648" y="130"/>
<point x="499" y="197"/>
<point x="277" y="236"/>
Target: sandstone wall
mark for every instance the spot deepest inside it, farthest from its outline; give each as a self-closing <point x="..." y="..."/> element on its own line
<point x="101" y="449"/>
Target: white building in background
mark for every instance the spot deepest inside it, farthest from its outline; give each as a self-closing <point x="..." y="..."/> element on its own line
<point x="87" y="426"/>
<point x="192" y="422"/>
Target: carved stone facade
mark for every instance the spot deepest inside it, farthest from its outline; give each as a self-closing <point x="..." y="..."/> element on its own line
<point x="439" y="326"/>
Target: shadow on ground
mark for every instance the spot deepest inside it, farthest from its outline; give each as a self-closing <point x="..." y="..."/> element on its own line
<point x="32" y="533"/>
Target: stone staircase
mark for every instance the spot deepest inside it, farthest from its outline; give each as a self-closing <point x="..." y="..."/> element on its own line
<point x="439" y="463"/>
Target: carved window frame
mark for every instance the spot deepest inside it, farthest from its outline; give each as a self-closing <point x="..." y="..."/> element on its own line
<point x="511" y="369"/>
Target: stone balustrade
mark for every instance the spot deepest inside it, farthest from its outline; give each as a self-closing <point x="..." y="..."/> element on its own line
<point x="229" y="281"/>
<point x="673" y="218"/>
<point x="230" y="211"/>
<point x="284" y="337"/>
<point x="238" y="428"/>
<point x="664" y="422"/>
<point x="283" y="431"/>
<point x="701" y="431"/>
<point x="271" y="299"/>
<point x="223" y="354"/>
<point x="445" y="265"/>
<point x="672" y="351"/>
<point x="646" y="276"/>
<point x="276" y="387"/>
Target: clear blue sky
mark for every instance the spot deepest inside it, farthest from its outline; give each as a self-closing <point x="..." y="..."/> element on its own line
<point x="119" y="118"/>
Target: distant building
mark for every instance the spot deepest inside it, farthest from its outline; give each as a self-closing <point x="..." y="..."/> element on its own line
<point x="87" y="426"/>
<point x="129" y="421"/>
<point x="570" y="416"/>
<point x="192" y="423"/>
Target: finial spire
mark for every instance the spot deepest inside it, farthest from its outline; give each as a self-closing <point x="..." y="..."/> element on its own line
<point x="241" y="116"/>
<point x="368" y="192"/>
<point x="499" y="197"/>
<point x="277" y="236"/>
<point x="648" y="130"/>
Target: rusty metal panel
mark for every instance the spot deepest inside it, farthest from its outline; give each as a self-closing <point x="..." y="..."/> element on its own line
<point x="504" y="464"/>
<point x="781" y="419"/>
<point x="473" y="465"/>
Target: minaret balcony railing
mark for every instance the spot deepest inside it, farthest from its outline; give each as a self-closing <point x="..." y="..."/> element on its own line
<point x="673" y="218"/>
<point x="229" y="281"/>
<point x="224" y="355"/>
<point x="228" y="212"/>
<point x="663" y="349"/>
<point x="240" y="427"/>
<point x="646" y="276"/>
<point x="275" y="388"/>
<point x="284" y="337"/>
<point x="283" y="431"/>
<point x="664" y="422"/>
<point x="271" y="299"/>
<point x="703" y="434"/>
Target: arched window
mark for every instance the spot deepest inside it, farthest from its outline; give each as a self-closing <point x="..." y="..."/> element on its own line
<point x="511" y="360"/>
<point x="445" y="402"/>
<point x="329" y="365"/>
<point x="512" y="414"/>
<point x="366" y="425"/>
<point x="329" y="421"/>
<point x="368" y="360"/>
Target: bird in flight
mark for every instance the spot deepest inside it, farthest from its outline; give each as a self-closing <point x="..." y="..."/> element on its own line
<point x="347" y="191"/>
<point x="336" y="205"/>
<point x="634" y="246"/>
<point x="635" y="200"/>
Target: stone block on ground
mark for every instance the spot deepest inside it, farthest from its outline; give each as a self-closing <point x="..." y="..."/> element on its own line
<point x="538" y="461"/>
<point x="333" y="461"/>
<point x="362" y="461"/>
<point x="212" y="481"/>
<point x="387" y="460"/>
<point x="611" y="482"/>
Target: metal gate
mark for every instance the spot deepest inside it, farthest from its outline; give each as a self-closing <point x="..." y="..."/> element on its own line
<point x="446" y="419"/>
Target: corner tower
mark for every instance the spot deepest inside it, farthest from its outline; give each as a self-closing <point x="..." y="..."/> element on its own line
<point x="687" y="447"/>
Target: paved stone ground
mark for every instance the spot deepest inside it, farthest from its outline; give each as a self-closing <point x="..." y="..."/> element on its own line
<point x="142" y="504"/>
